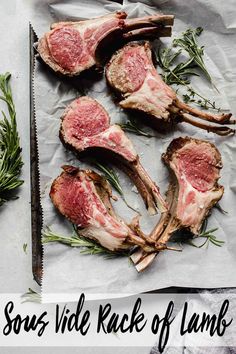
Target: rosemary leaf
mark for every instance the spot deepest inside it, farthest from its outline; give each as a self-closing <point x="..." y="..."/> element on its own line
<point x="111" y="176"/>
<point x="209" y="232"/>
<point x="180" y="73"/>
<point x="185" y="237"/>
<point x="87" y="245"/>
<point x="218" y="206"/>
<point x="188" y="41"/>
<point x="210" y="237"/>
<point x="132" y="127"/>
<point x="10" y="152"/>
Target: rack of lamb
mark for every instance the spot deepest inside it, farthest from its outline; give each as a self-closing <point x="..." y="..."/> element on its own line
<point x="83" y="197"/>
<point x="132" y="74"/>
<point x="71" y="47"/>
<point x="194" y="166"/>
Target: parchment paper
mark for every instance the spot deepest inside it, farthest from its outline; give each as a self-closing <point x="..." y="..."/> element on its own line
<point x="66" y="272"/>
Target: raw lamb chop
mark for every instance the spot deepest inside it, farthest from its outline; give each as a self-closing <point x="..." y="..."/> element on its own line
<point x="195" y="169"/>
<point x="86" y="125"/>
<point x="71" y="47"/>
<point x="132" y="74"/>
<point x="83" y="197"/>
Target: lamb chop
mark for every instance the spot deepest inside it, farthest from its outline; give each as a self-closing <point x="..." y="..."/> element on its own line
<point x="132" y="74"/>
<point x="83" y="197"/>
<point x="86" y="126"/>
<point x="71" y="47"/>
<point x="195" y="167"/>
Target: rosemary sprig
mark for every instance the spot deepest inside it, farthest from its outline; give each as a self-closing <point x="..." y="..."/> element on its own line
<point x="31" y="296"/>
<point x="10" y="152"/>
<point x="87" y="245"/>
<point x="202" y="101"/>
<point x="132" y="127"/>
<point x="219" y="207"/>
<point x="188" y="41"/>
<point x="210" y="237"/>
<point x="112" y="177"/>
<point x="185" y="237"/>
<point x="180" y="73"/>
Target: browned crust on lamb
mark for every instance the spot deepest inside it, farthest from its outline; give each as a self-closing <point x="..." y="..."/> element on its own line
<point x="44" y="53"/>
<point x="61" y="130"/>
<point x="118" y="92"/>
<point x="180" y="142"/>
<point x="66" y="170"/>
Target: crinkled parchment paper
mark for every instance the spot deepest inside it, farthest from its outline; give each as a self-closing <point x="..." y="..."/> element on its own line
<point x="65" y="270"/>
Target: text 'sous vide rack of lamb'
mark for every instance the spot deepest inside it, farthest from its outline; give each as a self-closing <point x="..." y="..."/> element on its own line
<point x="144" y="78"/>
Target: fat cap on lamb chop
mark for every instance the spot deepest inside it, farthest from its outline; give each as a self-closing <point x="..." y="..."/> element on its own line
<point x="194" y="166"/>
<point x="83" y="197"/>
<point x="132" y="74"/>
<point x="85" y="127"/>
<point x="71" y="47"/>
